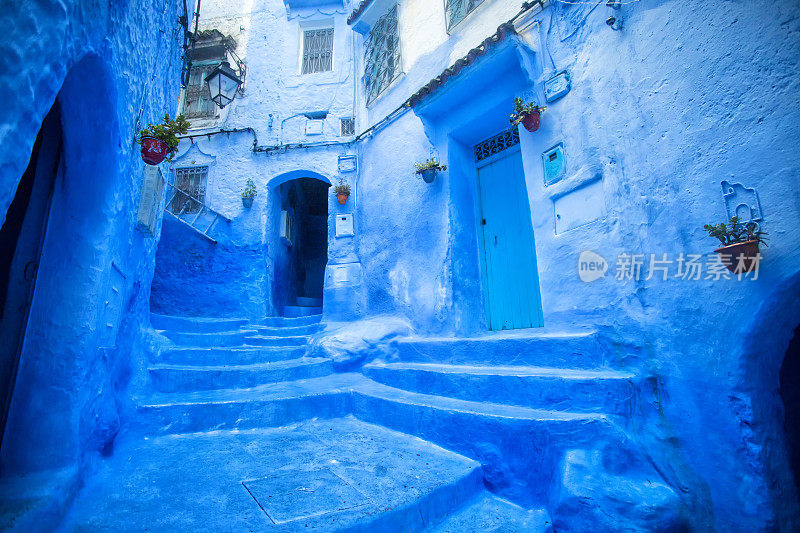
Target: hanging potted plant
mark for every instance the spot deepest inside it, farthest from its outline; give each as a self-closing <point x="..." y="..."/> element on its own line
<point x="740" y="241"/>
<point x="249" y="193"/>
<point x="342" y="191"/>
<point x="160" y="141"/>
<point x="529" y="114"/>
<point x="429" y="168"/>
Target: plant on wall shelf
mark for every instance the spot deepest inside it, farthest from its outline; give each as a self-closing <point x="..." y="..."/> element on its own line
<point x="160" y="141"/>
<point x="529" y="114"/>
<point x="249" y="193"/>
<point x="342" y="191"/>
<point x="429" y="168"/>
<point x="739" y="251"/>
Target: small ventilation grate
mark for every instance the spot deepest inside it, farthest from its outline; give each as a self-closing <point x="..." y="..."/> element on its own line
<point x="496" y="144"/>
<point x="348" y="126"/>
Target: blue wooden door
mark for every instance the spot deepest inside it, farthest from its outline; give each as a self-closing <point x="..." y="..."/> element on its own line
<point x="511" y="279"/>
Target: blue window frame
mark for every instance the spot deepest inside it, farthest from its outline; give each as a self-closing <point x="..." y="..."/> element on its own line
<point x="382" y="55"/>
<point x="457" y="10"/>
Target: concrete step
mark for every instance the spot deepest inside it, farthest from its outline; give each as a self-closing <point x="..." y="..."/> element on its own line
<point x="522" y="347"/>
<point x="521" y="448"/>
<point x="322" y="476"/>
<point x="282" y="321"/>
<point x="196" y="325"/>
<point x="269" y="405"/>
<point x="266" y="340"/>
<point x="222" y="338"/>
<point x="489" y="514"/>
<point x="578" y="390"/>
<point x="288" y="331"/>
<point x="296" y="311"/>
<point x="305" y="301"/>
<point x="185" y="378"/>
<point x="230" y="356"/>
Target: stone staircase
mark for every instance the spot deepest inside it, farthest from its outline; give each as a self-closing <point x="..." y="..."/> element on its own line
<point x="535" y="418"/>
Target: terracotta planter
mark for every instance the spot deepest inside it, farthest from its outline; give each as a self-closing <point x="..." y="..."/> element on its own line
<point x="342" y="198"/>
<point x="531" y="121"/>
<point x="730" y="256"/>
<point x="154" y="151"/>
<point x="428" y="175"/>
<point x="247" y="201"/>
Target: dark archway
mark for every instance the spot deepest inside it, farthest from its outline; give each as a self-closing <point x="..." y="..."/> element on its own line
<point x="302" y="246"/>
<point x="790" y="394"/>
<point x="54" y="414"/>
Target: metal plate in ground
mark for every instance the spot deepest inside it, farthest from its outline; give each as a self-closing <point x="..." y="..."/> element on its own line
<point x="298" y="495"/>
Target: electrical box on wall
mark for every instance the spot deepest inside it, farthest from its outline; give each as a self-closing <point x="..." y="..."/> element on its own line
<point x="579" y="207"/>
<point x="348" y="163"/>
<point x="314" y="126"/>
<point x="557" y="86"/>
<point x="554" y="163"/>
<point x="344" y="225"/>
<point x="150" y="200"/>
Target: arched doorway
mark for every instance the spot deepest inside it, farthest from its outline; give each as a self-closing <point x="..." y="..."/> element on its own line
<point x="790" y="394"/>
<point x="61" y="402"/>
<point x="301" y="244"/>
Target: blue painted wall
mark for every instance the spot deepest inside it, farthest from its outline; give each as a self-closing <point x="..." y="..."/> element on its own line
<point x="112" y="67"/>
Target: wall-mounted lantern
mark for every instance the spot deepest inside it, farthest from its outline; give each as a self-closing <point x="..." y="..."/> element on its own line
<point x="223" y="84"/>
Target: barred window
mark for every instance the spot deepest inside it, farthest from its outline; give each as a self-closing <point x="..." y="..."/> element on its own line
<point x="197" y="101"/>
<point x="382" y="55"/>
<point x="317" y="50"/>
<point x="191" y="183"/>
<point x="456" y="10"/>
<point x="348" y="126"/>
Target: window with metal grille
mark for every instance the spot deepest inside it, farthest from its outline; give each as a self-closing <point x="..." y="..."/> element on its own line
<point x="191" y="185"/>
<point x="381" y="55"/>
<point x="317" y="50"/>
<point x="456" y="10"/>
<point x="197" y="101"/>
<point x="348" y="126"/>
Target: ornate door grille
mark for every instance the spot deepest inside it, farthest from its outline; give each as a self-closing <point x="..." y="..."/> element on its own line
<point x="382" y="55"/>
<point x="191" y="185"/>
<point x="317" y="50"/>
<point x="456" y="10"/>
<point x="496" y="144"/>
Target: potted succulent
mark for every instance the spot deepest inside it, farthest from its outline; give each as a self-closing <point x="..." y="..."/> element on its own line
<point x="249" y="193"/>
<point x="429" y="168"/>
<point x="342" y="191"/>
<point x="529" y="114"/>
<point x="739" y="251"/>
<point x="160" y="141"/>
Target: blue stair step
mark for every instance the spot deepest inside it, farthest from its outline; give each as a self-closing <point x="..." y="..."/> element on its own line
<point x="295" y="311"/>
<point x="196" y="325"/>
<point x="218" y="339"/>
<point x="183" y="378"/>
<point x="579" y="390"/>
<point x="234" y="356"/>
<point x="288" y="331"/>
<point x="489" y="514"/>
<point x="265" y="340"/>
<point x="522" y="347"/>
<point x="305" y="301"/>
<point x="282" y="321"/>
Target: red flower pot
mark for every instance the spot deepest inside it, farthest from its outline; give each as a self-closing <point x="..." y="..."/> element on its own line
<point x="531" y="121"/>
<point x="342" y="198"/>
<point x="730" y="256"/>
<point x="154" y="151"/>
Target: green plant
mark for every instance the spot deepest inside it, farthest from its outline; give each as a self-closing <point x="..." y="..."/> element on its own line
<point x="521" y="110"/>
<point x="168" y="132"/>
<point x="342" y="188"/>
<point x="250" y="189"/>
<point x="735" y="232"/>
<point x="429" y="164"/>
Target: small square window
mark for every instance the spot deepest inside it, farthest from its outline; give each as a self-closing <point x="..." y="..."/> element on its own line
<point x="457" y="10"/>
<point x="190" y="185"/>
<point x="317" y="51"/>
<point x="348" y="126"/>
